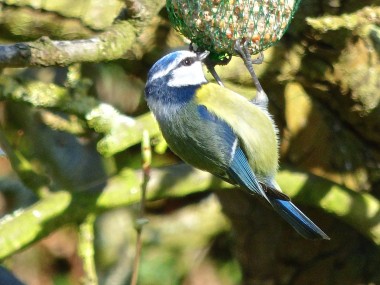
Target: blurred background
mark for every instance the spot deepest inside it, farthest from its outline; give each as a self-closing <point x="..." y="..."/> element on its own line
<point x="323" y="83"/>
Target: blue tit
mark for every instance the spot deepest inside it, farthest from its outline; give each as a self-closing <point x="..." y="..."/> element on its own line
<point x="220" y="131"/>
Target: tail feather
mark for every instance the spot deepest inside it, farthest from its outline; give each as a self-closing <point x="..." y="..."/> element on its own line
<point x="298" y="220"/>
<point x="240" y="172"/>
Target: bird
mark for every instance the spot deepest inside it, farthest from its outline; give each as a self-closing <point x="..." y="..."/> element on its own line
<point x="219" y="131"/>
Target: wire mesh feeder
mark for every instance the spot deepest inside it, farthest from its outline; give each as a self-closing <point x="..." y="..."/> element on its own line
<point x="215" y="25"/>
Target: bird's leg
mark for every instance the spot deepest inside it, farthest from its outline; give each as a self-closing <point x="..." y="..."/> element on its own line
<point x="242" y="50"/>
<point x="211" y="62"/>
<point x="211" y="67"/>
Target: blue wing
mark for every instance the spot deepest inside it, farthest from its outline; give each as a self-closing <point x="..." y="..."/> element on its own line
<point x="221" y="128"/>
<point x="239" y="172"/>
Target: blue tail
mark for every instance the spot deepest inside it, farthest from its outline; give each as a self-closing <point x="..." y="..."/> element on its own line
<point x="298" y="220"/>
<point x="240" y="172"/>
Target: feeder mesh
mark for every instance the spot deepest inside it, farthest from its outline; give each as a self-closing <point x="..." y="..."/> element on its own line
<point x="215" y="25"/>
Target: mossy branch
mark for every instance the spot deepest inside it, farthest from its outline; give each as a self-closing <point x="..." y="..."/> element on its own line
<point x="109" y="45"/>
<point x="29" y="23"/>
<point x="113" y="43"/>
<point x="86" y="10"/>
<point x="22" y="228"/>
<point x="120" y="131"/>
<point x="365" y="16"/>
<point x="361" y="211"/>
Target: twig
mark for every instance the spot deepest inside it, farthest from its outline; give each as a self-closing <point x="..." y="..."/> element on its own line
<point x="86" y="250"/>
<point x="141" y="221"/>
<point x="30" y="178"/>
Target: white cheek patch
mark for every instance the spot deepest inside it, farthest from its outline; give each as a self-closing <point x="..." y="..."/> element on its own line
<point x="187" y="75"/>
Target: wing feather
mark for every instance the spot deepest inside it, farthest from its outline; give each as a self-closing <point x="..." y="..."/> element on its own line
<point x="240" y="172"/>
<point x="252" y="125"/>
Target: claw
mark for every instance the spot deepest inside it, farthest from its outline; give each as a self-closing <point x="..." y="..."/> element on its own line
<point x="259" y="59"/>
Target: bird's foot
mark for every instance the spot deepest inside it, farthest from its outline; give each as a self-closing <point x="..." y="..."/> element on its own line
<point x="259" y="59"/>
<point x="211" y="69"/>
<point x="243" y="51"/>
<point x="211" y="63"/>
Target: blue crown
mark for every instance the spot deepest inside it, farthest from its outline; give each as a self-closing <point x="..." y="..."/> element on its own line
<point x="163" y="63"/>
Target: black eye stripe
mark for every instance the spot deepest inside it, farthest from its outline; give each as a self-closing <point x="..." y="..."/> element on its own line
<point x="187" y="61"/>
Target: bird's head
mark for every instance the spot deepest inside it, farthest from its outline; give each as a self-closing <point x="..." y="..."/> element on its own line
<point x="178" y="69"/>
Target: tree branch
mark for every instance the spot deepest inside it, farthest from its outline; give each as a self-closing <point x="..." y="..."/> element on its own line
<point x="22" y="228"/>
<point x="120" y="131"/>
<point x="17" y="231"/>
<point x="365" y="16"/>
<point x="29" y="23"/>
<point x="109" y="45"/>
